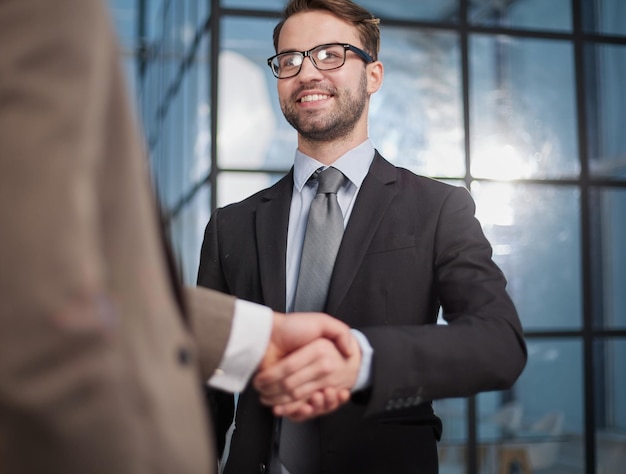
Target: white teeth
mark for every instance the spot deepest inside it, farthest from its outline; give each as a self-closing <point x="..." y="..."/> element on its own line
<point x="311" y="98"/>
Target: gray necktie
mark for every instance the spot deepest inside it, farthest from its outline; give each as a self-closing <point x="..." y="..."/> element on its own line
<point x="299" y="442"/>
<point x="324" y="231"/>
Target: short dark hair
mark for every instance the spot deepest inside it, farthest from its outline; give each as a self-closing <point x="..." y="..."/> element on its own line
<point x="347" y="10"/>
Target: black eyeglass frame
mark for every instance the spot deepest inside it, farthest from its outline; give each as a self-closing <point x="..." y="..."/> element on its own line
<point x="346" y="47"/>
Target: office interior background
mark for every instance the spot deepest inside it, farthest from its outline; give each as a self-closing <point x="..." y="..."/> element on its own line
<point x="521" y="101"/>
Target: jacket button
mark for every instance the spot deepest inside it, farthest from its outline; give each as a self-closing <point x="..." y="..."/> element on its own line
<point x="184" y="356"/>
<point x="262" y="468"/>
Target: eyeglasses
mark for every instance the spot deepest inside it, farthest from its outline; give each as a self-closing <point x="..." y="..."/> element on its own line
<point x="324" y="57"/>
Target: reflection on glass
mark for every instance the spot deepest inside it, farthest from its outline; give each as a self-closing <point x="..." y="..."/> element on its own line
<point x="252" y="130"/>
<point x="539" y="423"/>
<point x="522" y="105"/>
<point x="609" y="257"/>
<point x="605" y="16"/>
<point x="610" y="384"/>
<point x="416" y="117"/>
<point x="174" y="105"/>
<point x="532" y="14"/>
<point x="606" y="107"/>
<point x="535" y="234"/>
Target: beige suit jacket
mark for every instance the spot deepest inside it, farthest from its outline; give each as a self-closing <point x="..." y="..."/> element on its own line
<point x="98" y="373"/>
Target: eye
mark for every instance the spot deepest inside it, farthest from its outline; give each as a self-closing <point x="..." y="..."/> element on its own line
<point x="289" y="61"/>
<point x="329" y="54"/>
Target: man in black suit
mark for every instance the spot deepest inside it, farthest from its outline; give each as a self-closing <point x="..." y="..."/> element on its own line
<point x="411" y="245"/>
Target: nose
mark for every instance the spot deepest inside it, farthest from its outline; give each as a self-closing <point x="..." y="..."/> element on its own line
<point x="308" y="71"/>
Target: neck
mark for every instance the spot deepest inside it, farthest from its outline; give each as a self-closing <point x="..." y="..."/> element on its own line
<point x="329" y="152"/>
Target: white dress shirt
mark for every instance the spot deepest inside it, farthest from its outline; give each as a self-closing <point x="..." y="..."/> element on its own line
<point x="252" y="323"/>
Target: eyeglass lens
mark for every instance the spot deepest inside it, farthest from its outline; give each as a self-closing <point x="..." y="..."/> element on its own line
<point x="324" y="57"/>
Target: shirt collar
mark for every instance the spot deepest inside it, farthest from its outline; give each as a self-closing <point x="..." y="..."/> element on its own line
<point x="354" y="165"/>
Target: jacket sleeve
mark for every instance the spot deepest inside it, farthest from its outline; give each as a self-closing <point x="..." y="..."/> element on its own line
<point x="480" y="349"/>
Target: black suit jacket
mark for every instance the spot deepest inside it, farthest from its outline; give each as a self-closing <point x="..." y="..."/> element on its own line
<point x="411" y="245"/>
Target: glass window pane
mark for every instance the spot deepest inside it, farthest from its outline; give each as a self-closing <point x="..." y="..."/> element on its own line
<point x="606" y="108"/>
<point x="535" y="234"/>
<point x="176" y="117"/>
<point x="124" y="16"/>
<point x="605" y="16"/>
<point x="609" y="254"/>
<point x="187" y="233"/>
<point x="452" y="447"/>
<point x="544" y="413"/>
<point x="435" y="10"/>
<point x="255" y="4"/>
<point x="416" y="118"/>
<point x="236" y="186"/>
<point x="610" y="383"/>
<point x="252" y="130"/>
<point x="522" y="106"/>
<point x="432" y="10"/>
<point x="533" y="14"/>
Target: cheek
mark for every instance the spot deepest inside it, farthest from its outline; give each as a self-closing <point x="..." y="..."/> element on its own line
<point x="284" y="90"/>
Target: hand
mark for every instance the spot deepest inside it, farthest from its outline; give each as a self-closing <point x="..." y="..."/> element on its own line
<point x="298" y="329"/>
<point x="319" y="403"/>
<point x="310" y="381"/>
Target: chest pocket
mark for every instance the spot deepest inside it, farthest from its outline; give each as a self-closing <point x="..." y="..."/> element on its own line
<point x="391" y="242"/>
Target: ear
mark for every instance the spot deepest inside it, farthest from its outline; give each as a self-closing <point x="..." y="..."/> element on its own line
<point x="375" y="73"/>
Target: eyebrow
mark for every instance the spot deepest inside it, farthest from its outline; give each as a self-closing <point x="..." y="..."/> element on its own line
<point x="294" y="50"/>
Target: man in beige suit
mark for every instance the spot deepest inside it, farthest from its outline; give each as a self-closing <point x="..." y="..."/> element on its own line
<point x="98" y="371"/>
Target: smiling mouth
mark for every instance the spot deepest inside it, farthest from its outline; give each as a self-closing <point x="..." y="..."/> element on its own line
<point x="313" y="98"/>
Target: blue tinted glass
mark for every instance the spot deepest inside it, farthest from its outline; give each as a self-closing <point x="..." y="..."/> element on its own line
<point x="253" y="132"/>
<point x="187" y="232"/>
<point x="124" y="15"/>
<point x="433" y="10"/>
<point x="605" y="16"/>
<point x="606" y="109"/>
<point x="610" y="393"/>
<point x="535" y="234"/>
<point x="175" y="103"/>
<point x="522" y="106"/>
<point x="416" y="116"/>
<point x="255" y="4"/>
<point x="531" y="14"/>
<point x="453" y="445"/>
<point x="609" y="257"/>
<point x="549" y="395"/>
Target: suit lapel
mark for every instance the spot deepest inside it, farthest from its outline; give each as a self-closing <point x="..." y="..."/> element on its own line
<point x="272" y="220"/>
<point x="376" y="193"/>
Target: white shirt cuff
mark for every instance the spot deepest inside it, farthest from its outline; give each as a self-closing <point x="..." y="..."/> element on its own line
<point x="364" y="378"/>
<point x="247" y="344"/>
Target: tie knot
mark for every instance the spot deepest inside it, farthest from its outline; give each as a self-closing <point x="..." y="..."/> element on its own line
<point x="330" y="180"/>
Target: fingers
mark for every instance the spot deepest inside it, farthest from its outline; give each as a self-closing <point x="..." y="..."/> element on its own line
<point x="320" y="403"/>
<point x="339" y="333"/>
<point x="298" y="329"/>
<point x="310" y="364"/>
<point x="313" y="368"/>
<point x="307" y="366"/>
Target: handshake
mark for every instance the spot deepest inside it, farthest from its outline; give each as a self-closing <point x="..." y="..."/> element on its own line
<point x="311" y="363"/>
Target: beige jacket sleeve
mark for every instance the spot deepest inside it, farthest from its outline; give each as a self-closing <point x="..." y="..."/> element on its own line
<point x="210" y="314"/>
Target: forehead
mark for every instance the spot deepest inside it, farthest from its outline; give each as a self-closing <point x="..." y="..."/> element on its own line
<point x="306" y="30"/>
